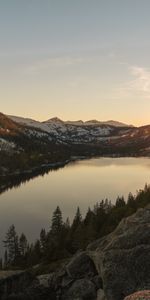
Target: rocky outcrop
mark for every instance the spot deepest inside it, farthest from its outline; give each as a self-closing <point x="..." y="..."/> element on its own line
<point x="111" y="269"/>
<point x="78" y="280"/>
<point x="122" y="258"/>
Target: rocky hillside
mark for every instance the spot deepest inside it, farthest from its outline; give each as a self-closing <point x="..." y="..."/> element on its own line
<point x="8" y="126"/>
<point x="26" y="149"/>
<point x="122" y="258"/>
<point x="110" y="269"/>
<point x="110" y="134"/>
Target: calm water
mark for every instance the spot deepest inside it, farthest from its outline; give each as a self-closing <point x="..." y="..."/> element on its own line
<point x="82" y="183"/>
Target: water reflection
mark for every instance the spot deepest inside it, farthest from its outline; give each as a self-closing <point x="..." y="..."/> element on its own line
<point x="30" y="205"/>
<point x="15" y="181"/>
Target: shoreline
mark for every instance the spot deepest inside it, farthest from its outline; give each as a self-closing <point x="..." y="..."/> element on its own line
<point x="18" y="177"/>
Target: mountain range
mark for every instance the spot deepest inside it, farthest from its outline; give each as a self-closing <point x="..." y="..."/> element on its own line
<point x="110" y="134"/>
<point x="56" y="120"/>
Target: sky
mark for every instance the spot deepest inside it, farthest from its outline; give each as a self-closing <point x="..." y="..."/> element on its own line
<point x="83" y="59"/>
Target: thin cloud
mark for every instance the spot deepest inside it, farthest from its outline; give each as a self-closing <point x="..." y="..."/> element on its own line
<point x="66" y="61"/>
<point x="140" y="84"/>
<point x="56" y="62"/>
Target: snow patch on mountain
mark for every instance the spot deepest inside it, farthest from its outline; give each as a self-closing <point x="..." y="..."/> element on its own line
<point x="6" y="145"/>
<point x="77" y="123"/>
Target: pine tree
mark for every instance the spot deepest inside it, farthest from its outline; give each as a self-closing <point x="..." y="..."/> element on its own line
<point x="67" y="224"/>
<point x="76" y="231"/>
<point x="37" y="252"/>
<point x="12" y="245"/>
<point x="23" y="244"/>
<point x="43" y="240"/>
<point x="77" y="220"/>
<point x="57" y="222"/>
<point x="56" y="236"/>
<point x="120" y="202"/>
<point x="88" y="217"/>
<point x="1" y="263"/>
<point x="89" y="227"/>
<point x="131" y="201"/>
<point x="5" y="259"/>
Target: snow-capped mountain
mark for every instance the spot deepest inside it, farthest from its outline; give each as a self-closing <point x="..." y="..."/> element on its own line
<point x="92" y="137"/>
<point x="110" y="122"/>
<point x="55" y="120"/>
<point x="74" y="131"/>
<point x="96" y="123"/>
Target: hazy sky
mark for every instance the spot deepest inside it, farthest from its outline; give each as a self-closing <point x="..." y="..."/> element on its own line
<point x="75" y="59"/>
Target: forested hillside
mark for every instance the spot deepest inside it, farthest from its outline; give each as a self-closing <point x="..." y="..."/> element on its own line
<point x="64" y="238"/>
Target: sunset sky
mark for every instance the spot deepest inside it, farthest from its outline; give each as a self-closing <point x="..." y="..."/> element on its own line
<point x="76" y="59"/>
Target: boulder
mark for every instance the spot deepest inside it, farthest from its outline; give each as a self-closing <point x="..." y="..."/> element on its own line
<point x="77" y="280"/>
<point x="81" y="266"/>
<point x="81" y="289"/>
<point x="44" y="280"/>
<point x="100" y="295"/>
<point x="122" y="258"/>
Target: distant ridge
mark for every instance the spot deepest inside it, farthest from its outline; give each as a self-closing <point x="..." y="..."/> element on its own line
<point x="56" y="120"/>
<point x="110" y="122"/>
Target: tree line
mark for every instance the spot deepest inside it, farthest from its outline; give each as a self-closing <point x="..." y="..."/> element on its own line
<point x="63" y="238"/>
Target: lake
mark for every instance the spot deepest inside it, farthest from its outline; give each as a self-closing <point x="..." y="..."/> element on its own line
<point x="81" y="183"/>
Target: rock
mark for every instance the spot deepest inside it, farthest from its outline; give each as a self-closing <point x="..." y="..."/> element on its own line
<point x="100" y="295"/>
<point x="21" y="285"/>
<point x="39" y="292"/>
<point x="142" y="295"/>
<point x="77" y="280"/>
<point x="81" y="266"/>
<point x="122" y="258"/>
<point x="44" y="280"/>
<point x="97" y="280"/>
<point x="82" y="289"/>
<point x="19" y="296"/>
<point x="9" y="274"/>
<point x="13" y="282"/>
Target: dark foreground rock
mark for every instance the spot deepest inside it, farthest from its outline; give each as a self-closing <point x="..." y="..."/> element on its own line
<point x="111" y="269"/>
<point x="122" y="258"/>
<point x="13" y="282"/>
<point x="78" y="280"/>
<point x="22" y="285"/>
